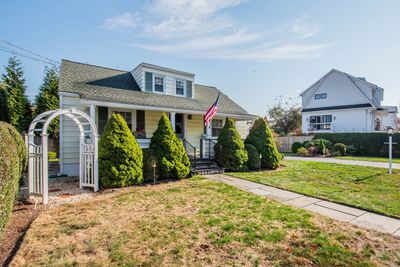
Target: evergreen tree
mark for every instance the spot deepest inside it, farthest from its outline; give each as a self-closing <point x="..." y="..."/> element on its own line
<point x="229" y="149"/>
<point x="260" y="136"/>
<point x="48" y="99"/>
<point x="120" y="156"/>
<point x="4" y="113"/>
<point x="18" y="104"/>
<point x="173" y="161"/>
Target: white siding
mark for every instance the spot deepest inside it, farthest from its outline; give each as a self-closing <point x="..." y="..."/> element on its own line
<point x="243" y="128"/>
<point x="339" y="89"/>
<point x="352" y="120"/>
<point x="70" y="138"/>
<point x="138" y="75"/>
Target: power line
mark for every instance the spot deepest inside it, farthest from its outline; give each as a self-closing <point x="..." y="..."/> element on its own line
<point x="35" y="56"/>
<point x="28" y="51"/>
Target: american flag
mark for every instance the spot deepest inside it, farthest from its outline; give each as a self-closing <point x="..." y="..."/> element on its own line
<point x="211" y="111"/>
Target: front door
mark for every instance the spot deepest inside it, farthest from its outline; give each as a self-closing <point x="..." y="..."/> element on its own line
<point x="179" y="125"/>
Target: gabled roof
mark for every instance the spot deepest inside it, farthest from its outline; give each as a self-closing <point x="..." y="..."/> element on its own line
<point x="356" y="81"/>
<point x="105" y="84"/>
<point x="156" y="67"/>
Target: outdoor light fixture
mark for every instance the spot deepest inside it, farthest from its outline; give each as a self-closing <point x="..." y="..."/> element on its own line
<point x="390" y="131"/>
<point x="190" y="116"/>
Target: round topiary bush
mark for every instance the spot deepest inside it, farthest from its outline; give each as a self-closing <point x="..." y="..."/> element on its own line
<point x="120" y="156"/>
<point x="302" y="152"/>
<point x="254" y="162"/>
<point x="172" y="159"/>
<point x="296" y="146"/>
<point x="260" y="136"/>
<point x="13" y="159"/>
<point x="229" y="150"/>
<point x="340" y="148"/>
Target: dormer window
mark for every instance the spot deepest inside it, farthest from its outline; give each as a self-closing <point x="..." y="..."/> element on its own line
<point x="180" y="87"/>
<point x="158" y="84"/>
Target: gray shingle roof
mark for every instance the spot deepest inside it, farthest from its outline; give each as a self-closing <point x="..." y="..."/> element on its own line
<point x="105" y="84"/>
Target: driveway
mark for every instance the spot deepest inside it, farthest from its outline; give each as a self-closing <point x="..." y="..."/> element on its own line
<point x="346" y="161"/>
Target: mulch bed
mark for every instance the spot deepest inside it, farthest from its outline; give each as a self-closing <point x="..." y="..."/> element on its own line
<point x="22" y="216"/>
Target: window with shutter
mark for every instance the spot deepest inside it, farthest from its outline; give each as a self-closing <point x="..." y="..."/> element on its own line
<point x="148" y="84"/>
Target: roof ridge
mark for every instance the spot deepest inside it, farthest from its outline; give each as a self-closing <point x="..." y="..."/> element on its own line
<point x="92" y="65"/>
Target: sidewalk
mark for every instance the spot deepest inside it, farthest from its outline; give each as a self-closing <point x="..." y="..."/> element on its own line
<point x="346" y="161"/>
<point x="335" y="211"/>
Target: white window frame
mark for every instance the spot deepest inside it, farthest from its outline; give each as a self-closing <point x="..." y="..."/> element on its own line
<point x="320" y="96"/>
<point x="211" y="125"/>
<point x="155" y="75"/>
<point x="184" y="87"/>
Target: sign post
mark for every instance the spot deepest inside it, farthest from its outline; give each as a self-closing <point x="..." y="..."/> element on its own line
<point x="390" y="132"/>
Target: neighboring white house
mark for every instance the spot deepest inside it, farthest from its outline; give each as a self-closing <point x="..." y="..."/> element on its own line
<point x="339" y="102"/>
<point x="140" y="96"/>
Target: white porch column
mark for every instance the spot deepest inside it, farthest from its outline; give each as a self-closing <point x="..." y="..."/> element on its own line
<point x="208" y="130"/>
<point x="92" y="112"/>
<point x="173" y="120"/>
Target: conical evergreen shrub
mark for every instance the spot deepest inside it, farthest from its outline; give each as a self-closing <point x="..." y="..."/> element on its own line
<point x="173" y="162"/>
<point x="120" y="156"/>
<point x="260" y="136"/>
<point x="229" y="149"/>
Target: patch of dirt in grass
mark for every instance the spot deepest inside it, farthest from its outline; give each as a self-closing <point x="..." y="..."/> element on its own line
<point x="196" y="222"/>
<point x="22" y="216"/>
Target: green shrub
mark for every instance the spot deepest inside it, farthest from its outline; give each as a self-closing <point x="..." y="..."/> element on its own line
<point x="322" y="145"/>
<point x="307" y="144"/>
<point x="302" y="152"/>
<point x="172" y="159"/>
<point x="229" y="149"/>
<point x="296" y="146"/>
<point x="254" y="161"/>
<point x="340" y="148"/>
<point x="120" y="156"/>
<point x="52" y="155"/>
<point x="366" y="144"/>
<point x="149" y="158"/>
<point x="260" y="136"/>
<point x="351" y="150"/>
<point x="13" y="160"/>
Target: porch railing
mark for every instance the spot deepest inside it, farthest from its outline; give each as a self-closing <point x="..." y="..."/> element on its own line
<point x="191" y="151"/>
<point x="207" y="148"/>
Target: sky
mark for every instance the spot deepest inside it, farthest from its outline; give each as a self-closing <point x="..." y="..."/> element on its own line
<point x="252" y="50"/>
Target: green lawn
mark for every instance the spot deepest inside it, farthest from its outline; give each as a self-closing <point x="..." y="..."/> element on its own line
<point x="375" y="159"/>
<point x="196" y="222"/>
<point x="365" y="187"/>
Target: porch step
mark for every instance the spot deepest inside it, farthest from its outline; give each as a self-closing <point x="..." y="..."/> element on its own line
<point x="203" y="166"/>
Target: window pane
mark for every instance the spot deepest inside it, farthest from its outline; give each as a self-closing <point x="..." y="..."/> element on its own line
<point x="158" y="84"/>
<point x="216" y="127"/>
<point x="140" y="121"/>
<point x="180" y="87"/>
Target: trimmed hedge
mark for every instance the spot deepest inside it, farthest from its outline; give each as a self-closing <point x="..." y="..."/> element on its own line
<point x="366" y="144"/>
<point x="229" y="149"/>
<point x="254" y="162"/>
<point x="172" y="159"/>
<point x="120" y="156"/>
<point x="13" y="160"/>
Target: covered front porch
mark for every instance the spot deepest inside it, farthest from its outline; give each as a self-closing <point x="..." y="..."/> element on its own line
<point x="188" y="125"/>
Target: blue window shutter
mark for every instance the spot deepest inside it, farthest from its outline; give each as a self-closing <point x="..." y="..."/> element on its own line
<point x="148" y="81"/>
<point x="189" y="89"/>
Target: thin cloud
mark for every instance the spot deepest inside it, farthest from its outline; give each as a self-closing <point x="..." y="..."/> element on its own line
<point x="205" y="29"/>
<point x="122" y="21"/>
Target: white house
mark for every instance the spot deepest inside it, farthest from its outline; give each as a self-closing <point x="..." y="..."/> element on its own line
<point x="140" y="96"/>
<point x="340" y="102"/>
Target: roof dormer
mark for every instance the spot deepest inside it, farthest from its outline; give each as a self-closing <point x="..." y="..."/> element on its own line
<point x="156" y="79"/>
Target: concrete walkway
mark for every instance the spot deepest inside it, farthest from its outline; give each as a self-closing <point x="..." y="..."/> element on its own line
<point x="347" y="162"/>
<point x="335" y="211"/>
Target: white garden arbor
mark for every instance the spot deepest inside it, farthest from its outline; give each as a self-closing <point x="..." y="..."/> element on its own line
<point x="38" y="158"/>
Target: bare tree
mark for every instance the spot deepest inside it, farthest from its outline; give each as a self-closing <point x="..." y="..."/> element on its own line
<point x="285" y="115"/>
